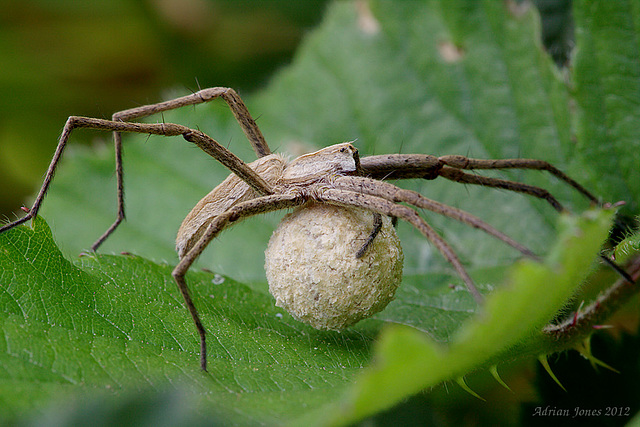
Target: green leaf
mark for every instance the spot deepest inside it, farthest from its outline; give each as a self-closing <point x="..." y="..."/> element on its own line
<point x="439" y="77"/>
<point x="607" y="84"/>
<point x="117" y="322"/>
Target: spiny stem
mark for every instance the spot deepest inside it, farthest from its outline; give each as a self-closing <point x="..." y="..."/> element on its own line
<point x="588" y="319"/>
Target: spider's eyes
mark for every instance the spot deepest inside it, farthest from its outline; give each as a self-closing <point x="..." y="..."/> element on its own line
<point x="348" y="148"/>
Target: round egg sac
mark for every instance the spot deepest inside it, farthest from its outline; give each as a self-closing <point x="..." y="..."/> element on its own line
<point x="313" y="271"/>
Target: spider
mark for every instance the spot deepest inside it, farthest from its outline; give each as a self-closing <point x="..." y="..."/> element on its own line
<point x="333" y="175"/>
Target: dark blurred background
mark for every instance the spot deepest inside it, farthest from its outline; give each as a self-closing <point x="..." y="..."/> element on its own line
<point x="77" y="57"/>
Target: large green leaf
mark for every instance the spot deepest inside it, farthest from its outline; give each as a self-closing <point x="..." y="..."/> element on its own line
<point x="440" y="77"/>
<point x="117" y="322"/>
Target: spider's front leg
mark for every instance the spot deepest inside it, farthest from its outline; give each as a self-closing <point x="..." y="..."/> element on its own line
<point x="451" y="167"/>
<point x="407" y="166"/>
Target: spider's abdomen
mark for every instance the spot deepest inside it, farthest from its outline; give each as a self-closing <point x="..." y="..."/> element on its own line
<point x="228" y="193"/>
<point x="313" y="271"/>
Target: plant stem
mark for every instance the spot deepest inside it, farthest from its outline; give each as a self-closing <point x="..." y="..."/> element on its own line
<point x="588" y="319"/>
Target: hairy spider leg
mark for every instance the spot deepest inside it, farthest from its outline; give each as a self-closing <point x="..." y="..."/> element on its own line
<point x="232" y="215"/>
<point x="206" y="143"/>
<point x="407" y="166"/>
<point x="395" y="194"/>
<point x="238" y="108"/>
<point x="377" y="226"/>
<point x="233" y="100"/>
<point x="461" y="162"/>
<point x="457" y="175"/>
<point x="385" y="207"/>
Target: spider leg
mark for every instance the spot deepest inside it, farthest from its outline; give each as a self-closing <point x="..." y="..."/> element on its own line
<point x="406" y="166"/>
<point x="395" y="194"/>
<point x="377" y="226"/>
<point x="386" y="207"/>
<point x="461" y="162"/>
<point x="518" y="187"/>
<point x="400" y="166"/>
<point x="209" y="145"/>
<point x="222" y="221"/>
<point x="239" y="110"/>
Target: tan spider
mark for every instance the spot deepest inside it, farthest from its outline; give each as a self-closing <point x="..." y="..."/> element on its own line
<point x="334" y="175"/>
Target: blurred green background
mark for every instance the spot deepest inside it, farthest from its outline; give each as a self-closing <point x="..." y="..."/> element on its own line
<point x="73" y="57"/>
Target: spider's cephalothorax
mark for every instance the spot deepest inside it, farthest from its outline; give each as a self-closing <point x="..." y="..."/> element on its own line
<point x="332" y="176"/>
